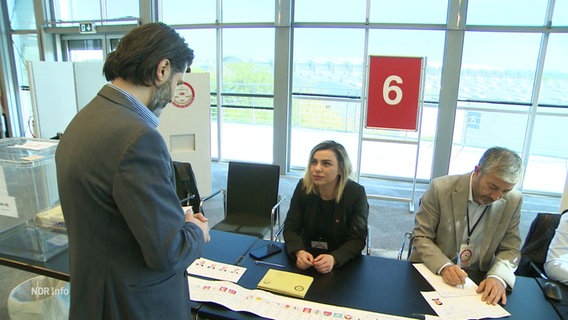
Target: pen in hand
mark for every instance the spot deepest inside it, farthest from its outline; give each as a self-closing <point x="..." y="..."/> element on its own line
<point x="458" y="260"/>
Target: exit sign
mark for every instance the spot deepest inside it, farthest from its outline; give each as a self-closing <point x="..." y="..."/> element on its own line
<point x="87" y="27"/>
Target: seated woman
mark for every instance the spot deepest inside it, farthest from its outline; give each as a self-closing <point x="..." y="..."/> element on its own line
<point x="326" y="225"/>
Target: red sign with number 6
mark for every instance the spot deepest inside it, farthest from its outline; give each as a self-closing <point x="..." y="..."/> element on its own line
<point x="393" y="92"/>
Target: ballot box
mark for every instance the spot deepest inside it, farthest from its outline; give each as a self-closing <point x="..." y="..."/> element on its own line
<point x="31" y="222"/>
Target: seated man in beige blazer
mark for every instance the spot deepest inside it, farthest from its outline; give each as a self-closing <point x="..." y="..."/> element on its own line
<point x="471" y="222"/>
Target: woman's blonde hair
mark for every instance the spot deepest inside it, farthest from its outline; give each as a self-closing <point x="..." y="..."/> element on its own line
<point x="344" y="168"/>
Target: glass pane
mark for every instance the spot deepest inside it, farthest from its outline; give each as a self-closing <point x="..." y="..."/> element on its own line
<point x="248" y="63"/>
<point x="498" y="66"/>
<point x="85" y="50"/>
<point x="548" y="161"/>
<point x="203" y="43"/>
<point x="248" y="11"/>
<point x="555" y="78"/>
<point x="387" y="159"/>
<point x="506" y="12"/>
<point x="328" y="61"/>
<point x="25" y="49"/>
<point x="247" y="69"/>
<point x="113" y="44"/>
<point x="122" y="9"/>
<point x="315" y="120"/>
<point x="428" y="44"/>
<point x="246" y="134"/>
<point x="188" y="11"/>
<point x="75" y="10"/>
<point x="330" y="11"/>
<point x="400" y="138"/>
<point x="560" y="15"/>
<point x="21" y="14"/>
<point x="409" y="11"/>
<point x="475" y="131"/>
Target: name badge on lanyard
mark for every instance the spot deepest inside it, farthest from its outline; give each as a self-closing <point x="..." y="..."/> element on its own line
<point x="466" y="254"/>
<point x="321" y="245"/>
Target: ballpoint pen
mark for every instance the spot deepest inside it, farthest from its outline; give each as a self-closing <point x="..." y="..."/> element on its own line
<point x="458" y="260"/>
<point x="268" y="263"/>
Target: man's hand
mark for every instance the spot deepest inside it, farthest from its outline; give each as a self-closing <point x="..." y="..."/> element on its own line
<point x="201" y="221"/>
<point x="453" y="275"/>
<point x="324" y="263"/>
<point x="493" y="291"/>
<point x="304" y="259"/>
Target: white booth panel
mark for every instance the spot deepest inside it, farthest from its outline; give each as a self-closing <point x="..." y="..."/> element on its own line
<point x="185" y="125"/>
<point x="89" y="79"/>
<point x="54" y="102"/>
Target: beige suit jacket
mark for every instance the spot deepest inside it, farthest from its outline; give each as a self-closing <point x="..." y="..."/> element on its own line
<point x="439" y="228"/>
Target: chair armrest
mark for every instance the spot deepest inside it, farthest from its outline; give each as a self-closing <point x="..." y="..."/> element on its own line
<point x="538" y="270"/>
<point x="368" y="240"/>
<point x="209" y="197"/>
<point x="187" y="199"/>
<point x="273" y="212"/>
<point x="279" y="231"/>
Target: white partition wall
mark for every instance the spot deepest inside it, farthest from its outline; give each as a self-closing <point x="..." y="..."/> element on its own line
<point x="185" y="125"/>
<point x="89" y="79"/>
<point x="54" y="100"/>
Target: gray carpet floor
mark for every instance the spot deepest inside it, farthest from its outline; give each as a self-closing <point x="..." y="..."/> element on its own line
<point x="388" y="219"/>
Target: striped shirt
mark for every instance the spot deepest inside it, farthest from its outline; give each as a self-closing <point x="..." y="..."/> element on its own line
<point x="139" y="107"/>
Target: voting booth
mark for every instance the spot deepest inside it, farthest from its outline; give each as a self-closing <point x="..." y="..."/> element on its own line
<point x="186" y="127"/>
<point x="60" y="89"/>
<point x="31" y="223"/>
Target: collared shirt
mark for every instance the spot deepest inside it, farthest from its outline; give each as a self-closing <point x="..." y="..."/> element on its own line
<point x="556" y="266"/>
<point x="139" y="107"/>
<point x="475" y="212"/>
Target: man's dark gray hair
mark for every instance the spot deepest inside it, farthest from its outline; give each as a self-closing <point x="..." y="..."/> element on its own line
<point x="502" y="162"/>
<point x="140" y="51"/>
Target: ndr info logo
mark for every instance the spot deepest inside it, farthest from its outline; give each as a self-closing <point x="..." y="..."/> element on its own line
<point x="49" y="291"/>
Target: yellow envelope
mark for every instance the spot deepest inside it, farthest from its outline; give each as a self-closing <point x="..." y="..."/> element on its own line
<point x="284" y="282"/>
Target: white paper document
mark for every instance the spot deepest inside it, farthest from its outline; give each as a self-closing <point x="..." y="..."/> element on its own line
<point x="35" y="145"/>
<point x="216" y="270"/>
<point x="455" y="302"/>
<point x="444" y="289"/>
<point x="272" y="306"/>
<point x="463" y="308"/>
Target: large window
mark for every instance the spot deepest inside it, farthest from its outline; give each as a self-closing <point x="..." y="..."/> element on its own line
<point x="327" y="87"/>
<point x="507" y="12"/>
<point x="25" y="49"/>
<point x="246" y="95"/>
<point x="508" y="79"/>
<point x="85" y="10"/>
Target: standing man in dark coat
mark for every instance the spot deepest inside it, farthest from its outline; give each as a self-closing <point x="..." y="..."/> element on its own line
<point x="130" y="241"/>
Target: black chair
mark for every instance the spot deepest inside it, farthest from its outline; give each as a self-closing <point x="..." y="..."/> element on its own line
<point x="535" y="248"/>
<point x="186" y="185"/>
<point x="251" y="201"/>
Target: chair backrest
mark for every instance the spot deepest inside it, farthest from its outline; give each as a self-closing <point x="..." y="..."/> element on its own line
<point x="536" y="244"/>
<point x="186" y="185"/>
<point x="252" y="188"/>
